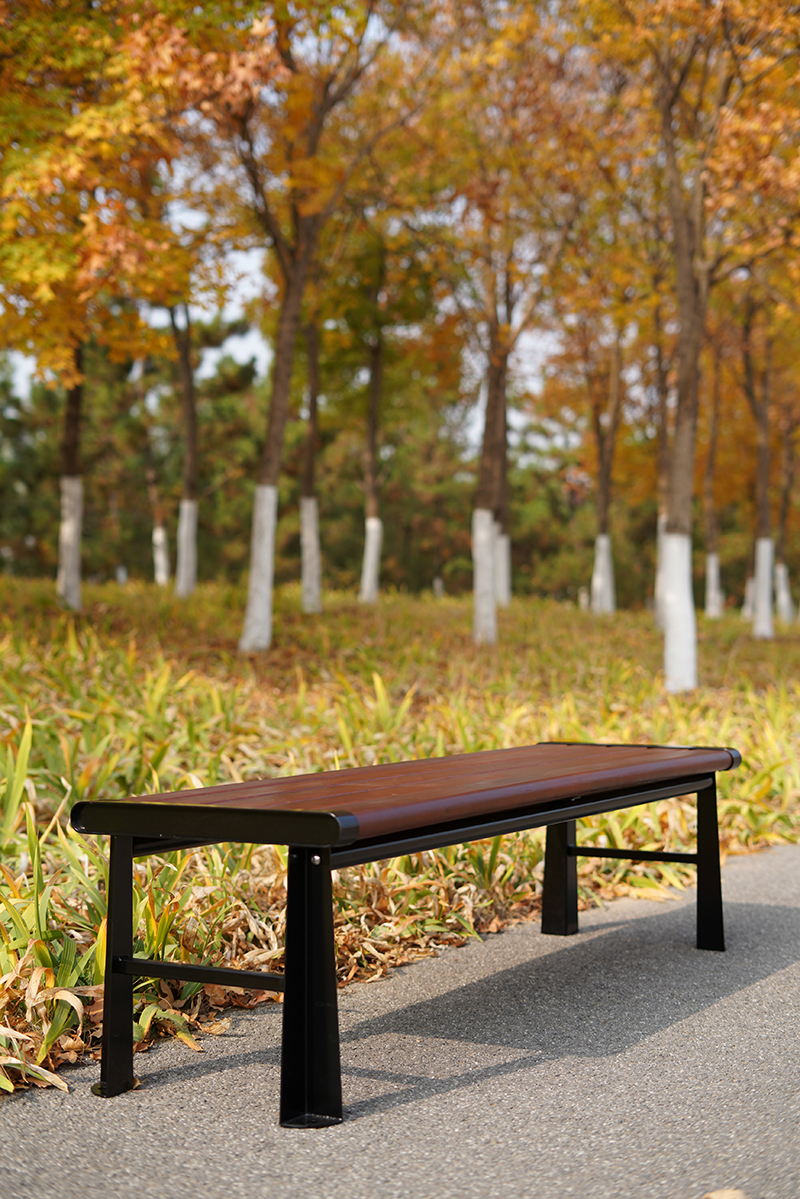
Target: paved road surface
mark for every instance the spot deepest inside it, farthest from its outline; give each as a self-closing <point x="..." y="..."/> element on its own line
<point x="618" y="1064"/>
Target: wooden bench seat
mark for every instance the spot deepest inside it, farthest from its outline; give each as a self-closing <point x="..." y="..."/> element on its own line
<point x="341" y="818"/>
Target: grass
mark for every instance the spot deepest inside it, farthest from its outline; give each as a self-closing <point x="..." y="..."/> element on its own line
<point x="141" y="693"/>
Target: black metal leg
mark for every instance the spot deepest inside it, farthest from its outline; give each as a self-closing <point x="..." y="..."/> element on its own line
<point x="710" y="928"/>
<point x="311" y="1081"/>
<point x="116" y="1066"/>
<point x="560" y="893"/>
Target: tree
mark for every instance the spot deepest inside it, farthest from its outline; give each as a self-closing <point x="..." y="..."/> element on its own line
<point x="310" y="555"/>
<point x="788" y="424"/>
<point x="76" y="145"/>
<point x="588" y="375"/>
<point x="324" y="86"/>
<point x="757" y="380"/>
<point x="763" y="363"/>
<point x="714" y="601"/>
<point x="504" y="195"/>
<point x="421" y="460"/>
<point x="714" y="84"/>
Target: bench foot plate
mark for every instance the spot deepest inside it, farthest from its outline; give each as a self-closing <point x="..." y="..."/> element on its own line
<point x="312" y="1121"/>
<point x="102" y="1089"/>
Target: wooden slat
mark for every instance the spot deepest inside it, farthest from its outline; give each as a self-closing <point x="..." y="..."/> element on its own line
<point x="388" y="800"/>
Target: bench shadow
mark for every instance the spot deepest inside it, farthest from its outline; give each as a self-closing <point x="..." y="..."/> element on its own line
<point x="592" y="996"/>
<point x="588" y="998"/>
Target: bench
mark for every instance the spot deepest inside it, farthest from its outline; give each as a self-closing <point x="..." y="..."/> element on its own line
<point x="346" y="817"/>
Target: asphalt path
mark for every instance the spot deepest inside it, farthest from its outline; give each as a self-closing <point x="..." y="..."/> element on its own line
<point x="616" y="1064"/>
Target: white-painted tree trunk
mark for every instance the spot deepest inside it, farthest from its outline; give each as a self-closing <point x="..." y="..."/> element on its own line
<point x="371" y="566"/>
<point x="68" y="581"/>
<point x="484" y="625"/>
<point x="748" y="606"/>
<point x="604" y="598"/>
<point x="310" y="556"/>
<point x="438" y="587"/>
<point x="502" y="567"/>
<point x="186" y="570"/>
<point x="713" y="589"/>
<point x="658" y="598"/>
<point x="762" y="605"/>
<point x="257" y="631"/>
<point x="160" y="555"/>
<point x="680" y="623"/>
<point x="784" y="608"/>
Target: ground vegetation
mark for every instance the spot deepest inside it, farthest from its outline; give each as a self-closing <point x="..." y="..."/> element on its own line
<point x="146" y="692"/>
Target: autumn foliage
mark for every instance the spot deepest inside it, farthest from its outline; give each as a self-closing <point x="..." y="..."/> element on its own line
<point x="586" y="218"/>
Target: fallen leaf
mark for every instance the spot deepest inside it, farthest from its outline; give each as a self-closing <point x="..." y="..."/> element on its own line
<point x="216" y="1027"/>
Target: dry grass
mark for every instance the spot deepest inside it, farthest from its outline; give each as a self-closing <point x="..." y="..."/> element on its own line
<point x="142" y="693"/>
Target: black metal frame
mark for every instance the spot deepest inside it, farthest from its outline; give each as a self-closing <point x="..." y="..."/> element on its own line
<point x="560" y="889"/>
<point x="311" y="1092"/>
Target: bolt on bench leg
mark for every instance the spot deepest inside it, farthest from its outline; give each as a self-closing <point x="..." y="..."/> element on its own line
<point x="116" y="1066"/>
<point x="710" y="928"/>
<point x="311" y="1083"/>
<point x="560" y="891"/>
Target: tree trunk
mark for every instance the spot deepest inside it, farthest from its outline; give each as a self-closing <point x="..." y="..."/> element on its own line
<point x="371" y="564"/>
<point x="763" y="516"/>
<point x="502" y="540"/>
<point x="257" y="631"/>
<point x="787" y="484"/>
<point x="755" y="381"/>
<point x="310" y="555"/>
<point x="680" y="626"/>
<point x="762" y="602"/>
<point x="714" y="598"/>
<point x="312" y="431"/>
<point x="658" y="595"/>
<point x="115" y="536"/>
<point x="490" y="501"/>
<point x="680" y="642"/>
<point x="370" y="570"/>
<point x="605" y="433"/>
<point x="68" y="581"/>
<point x="484" y="628"/>
<point x="160" y="542"/>
<point x="662" y="470"/>
<point x="784" y="607"/>
<point x="713" y="589"/>
<point x="491" y="471"/>
<point x="186" y="569"/>
<point x="604" y="598"/>
<point x="502" y="566"/>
